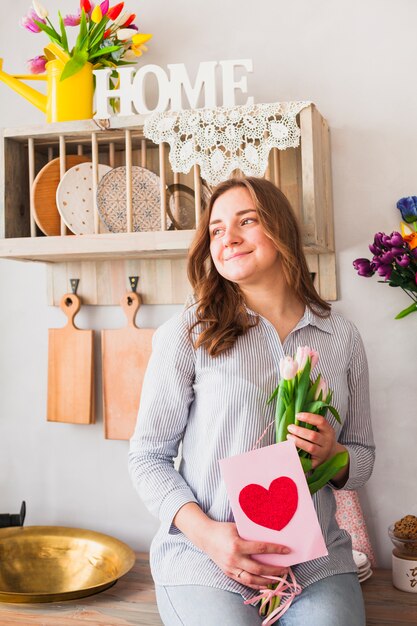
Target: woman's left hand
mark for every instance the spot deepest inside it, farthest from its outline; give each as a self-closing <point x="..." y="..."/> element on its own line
<point x="320" y="443"/>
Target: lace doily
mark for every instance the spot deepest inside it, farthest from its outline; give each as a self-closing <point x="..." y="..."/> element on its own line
<point x="223" y="139"/>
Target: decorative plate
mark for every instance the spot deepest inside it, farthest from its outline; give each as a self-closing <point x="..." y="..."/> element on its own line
<point x="146" y="200"/>
<point x="182" y="206"/>
<point x="75" y="199"/>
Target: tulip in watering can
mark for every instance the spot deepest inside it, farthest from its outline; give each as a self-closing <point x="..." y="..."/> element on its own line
<point x="68" y="99"/>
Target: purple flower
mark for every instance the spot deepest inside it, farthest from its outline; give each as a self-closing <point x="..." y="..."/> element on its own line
<point x="403" y="260"/>
<point x="37" y="65"/>
<point x="28" y="21"/>
<point x="386" y="258"/>
<point x="385" y="271"/>
<point x="408" y="208"/>
<point x="378" y="239"/>
<point x="396" y="239"/>
<point x="73" y="20"/>
<point x="364" y="267"/>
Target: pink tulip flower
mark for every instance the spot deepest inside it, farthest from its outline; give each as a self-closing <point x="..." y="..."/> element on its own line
<point x="323" y="389"/>
<point x="72" y="20"/>
<point x="28" y="21"/>
<point x="303" y="352"/>
<point x="37" y="65"/>
<point x="288" y="368"/>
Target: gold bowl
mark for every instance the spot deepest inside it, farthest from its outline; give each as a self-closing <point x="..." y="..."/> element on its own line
<point x="54" y="563"/>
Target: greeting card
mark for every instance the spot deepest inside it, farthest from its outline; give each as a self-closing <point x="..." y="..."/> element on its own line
<point x="271" y="502"/>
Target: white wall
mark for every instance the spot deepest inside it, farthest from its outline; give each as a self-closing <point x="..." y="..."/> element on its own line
<point x="357" y="61"/>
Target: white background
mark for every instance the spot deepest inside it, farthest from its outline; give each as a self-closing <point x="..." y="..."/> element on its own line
<point x="357" y="61"/>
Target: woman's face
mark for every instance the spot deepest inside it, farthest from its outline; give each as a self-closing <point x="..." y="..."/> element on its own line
<point x="239" y="247"/>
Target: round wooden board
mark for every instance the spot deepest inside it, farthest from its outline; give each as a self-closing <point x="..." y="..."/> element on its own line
<point x="45" y="210"/>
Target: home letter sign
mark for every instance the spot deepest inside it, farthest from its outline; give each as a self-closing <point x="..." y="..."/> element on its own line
<point x="132" y="87"/>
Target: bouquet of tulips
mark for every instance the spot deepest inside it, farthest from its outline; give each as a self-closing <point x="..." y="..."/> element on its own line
<point x="107" y="36"/>
<point x="395" y="255"/>
<point x="296" y="393"/>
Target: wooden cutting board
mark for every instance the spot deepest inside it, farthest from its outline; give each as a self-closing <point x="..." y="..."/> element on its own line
<point x="45" y="210"/>
<point x="70" y="369"/>
<point x="125" y="356"/>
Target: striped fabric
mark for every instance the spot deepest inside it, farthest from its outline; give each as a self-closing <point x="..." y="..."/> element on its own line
<point x="217" y="408"/>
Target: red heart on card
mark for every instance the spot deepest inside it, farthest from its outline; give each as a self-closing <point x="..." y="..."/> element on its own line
<point x="274" y="507"/>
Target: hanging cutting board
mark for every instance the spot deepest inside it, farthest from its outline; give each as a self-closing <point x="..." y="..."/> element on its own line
<point x="125" y="355"/>
<point x="43" y="191"/>
<point x="70" y="369"/>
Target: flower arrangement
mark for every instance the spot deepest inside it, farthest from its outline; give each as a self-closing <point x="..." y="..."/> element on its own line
<point x="107" y="36"/>
<point x="297" y="392"/>
<point x="395" y="255"/>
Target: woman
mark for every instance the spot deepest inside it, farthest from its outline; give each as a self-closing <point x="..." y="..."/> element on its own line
<point x="212" y="370"/>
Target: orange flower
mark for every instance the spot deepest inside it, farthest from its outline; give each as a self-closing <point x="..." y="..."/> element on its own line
<point x="411" y="240"/>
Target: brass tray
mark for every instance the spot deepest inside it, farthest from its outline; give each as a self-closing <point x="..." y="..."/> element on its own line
<point x="54" y="563"/>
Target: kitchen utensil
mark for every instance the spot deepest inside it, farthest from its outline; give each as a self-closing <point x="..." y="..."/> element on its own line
<point x="70" y="369"/>
<point x="181" y="206"/>
<point x="75" y="199"/>
<point x="44" y="188"/>
<point x="54" y="563"/>
<point x="146" y="200"/>
<point x="125" y="355"/>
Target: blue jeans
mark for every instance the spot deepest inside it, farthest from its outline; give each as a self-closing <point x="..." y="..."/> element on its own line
<point x="333" y="601"/>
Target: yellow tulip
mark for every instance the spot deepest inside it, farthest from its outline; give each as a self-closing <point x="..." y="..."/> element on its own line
<point x="140" y="38"/>
<point x="96" y="15"/>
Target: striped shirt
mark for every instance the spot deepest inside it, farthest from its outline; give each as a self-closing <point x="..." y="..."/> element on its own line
<point x="217" y="407"/>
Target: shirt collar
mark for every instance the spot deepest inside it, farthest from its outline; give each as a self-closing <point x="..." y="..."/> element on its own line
<point x="309" y="317"/>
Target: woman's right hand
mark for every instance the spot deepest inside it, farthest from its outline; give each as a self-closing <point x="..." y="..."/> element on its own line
<point x="234" y="555"/>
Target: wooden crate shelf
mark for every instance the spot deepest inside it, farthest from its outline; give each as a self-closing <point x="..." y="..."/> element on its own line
<point x="303" y="174"/>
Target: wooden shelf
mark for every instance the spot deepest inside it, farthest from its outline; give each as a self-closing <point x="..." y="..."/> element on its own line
<point x="159" y="257"/>
<point x="102" y="247"/>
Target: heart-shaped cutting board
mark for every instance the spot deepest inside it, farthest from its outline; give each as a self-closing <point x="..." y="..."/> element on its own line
<point x="274" y="507"/>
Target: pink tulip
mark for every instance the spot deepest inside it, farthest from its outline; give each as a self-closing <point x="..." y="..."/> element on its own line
<point x="28" y="21"/>
<point x="303" y="352"/>
<point x="288" y="368"/>
<point x="323" y="389"/>
<point x="72" y="20"/>
<point x="37" y="65"/>
<point x="104" y="6"/>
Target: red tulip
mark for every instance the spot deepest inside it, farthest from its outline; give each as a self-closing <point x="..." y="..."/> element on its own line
<point x="129" y="20"/>
<point x="107" y="33"/>
<point x="85" y="4"/>
<point x="114" y="12"/>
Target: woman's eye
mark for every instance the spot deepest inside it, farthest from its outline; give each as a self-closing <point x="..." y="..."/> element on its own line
<point x="215" y="232"/>
<point x="248" y="220"/>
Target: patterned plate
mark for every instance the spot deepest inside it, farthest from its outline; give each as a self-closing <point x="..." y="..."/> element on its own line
<point x="75" y="200"/>
<point x="181" y="206"/>
<point x="146" y="200"/>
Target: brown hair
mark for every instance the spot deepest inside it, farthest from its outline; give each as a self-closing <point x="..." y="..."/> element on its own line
<point x="221" y="312"/>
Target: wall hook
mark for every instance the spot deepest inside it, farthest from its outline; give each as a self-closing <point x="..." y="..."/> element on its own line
<point x="133" y="280"/>
<point x="7" y="520"/>
<point x="74" y="285"/>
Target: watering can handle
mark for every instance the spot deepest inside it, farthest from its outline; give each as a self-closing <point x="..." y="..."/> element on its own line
<point x="52" y="51"/>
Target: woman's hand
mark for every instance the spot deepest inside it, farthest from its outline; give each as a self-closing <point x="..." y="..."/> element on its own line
<point x="320" y="443"/>
<point x="234" y="555"/>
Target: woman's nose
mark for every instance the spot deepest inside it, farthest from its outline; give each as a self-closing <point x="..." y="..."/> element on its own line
<point x="231" y="237"/>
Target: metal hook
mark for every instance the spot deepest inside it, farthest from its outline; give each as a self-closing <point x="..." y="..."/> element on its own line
<point x="74" y="285"/>
<point x="133" y="280"/>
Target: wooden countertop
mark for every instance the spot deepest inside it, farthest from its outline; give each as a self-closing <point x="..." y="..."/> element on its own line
<point x="131" y="602"/>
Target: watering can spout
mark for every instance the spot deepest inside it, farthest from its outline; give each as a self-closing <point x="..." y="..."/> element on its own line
<point x="15" y="82"/>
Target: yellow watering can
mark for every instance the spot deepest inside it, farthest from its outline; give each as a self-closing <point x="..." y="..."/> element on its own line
<point x="69" y="99"/>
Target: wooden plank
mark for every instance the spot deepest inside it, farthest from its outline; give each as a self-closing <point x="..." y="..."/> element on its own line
<point x="16" y="186"/>
<point x="327" y="287"/>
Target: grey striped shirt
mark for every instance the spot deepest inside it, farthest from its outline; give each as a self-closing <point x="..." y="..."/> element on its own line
<point x="217" y="408"/>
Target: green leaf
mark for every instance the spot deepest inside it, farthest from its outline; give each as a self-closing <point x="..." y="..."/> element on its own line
<point x="273" y="395"/>
<point x="407" y="311"/>
<point x="104" y="51"/>
<point x="287" y="419"/>
<point x="74" y="65"/>
<point x="63" y="32"/>
<point x="80" y="43"/>
<point x="325" y="472"/>
<point x="52" y="34"/>
<point x="306" y="464"/>
<point x="302" y="386"/>
<point x="312" y="391"/>
<point x="335" y="413"/>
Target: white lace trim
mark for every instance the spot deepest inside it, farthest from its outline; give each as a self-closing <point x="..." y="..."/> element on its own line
<point x="223" y="139"/>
